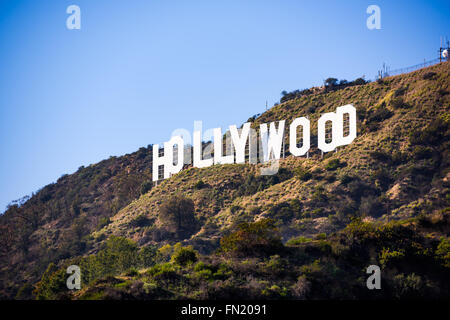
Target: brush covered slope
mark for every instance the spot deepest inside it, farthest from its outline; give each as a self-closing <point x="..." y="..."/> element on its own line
<point x="307" y="232"/>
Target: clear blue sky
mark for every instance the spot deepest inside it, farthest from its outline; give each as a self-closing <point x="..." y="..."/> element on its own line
<point x="139" y="69"/>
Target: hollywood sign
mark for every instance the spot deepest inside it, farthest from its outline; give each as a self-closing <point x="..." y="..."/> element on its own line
<point x="271" y="141"/>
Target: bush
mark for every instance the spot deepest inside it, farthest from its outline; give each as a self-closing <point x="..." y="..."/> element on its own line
<point x="443" y="252"/>
<point x="184" y="256"/>
<point x="359" y="81"/>
<point x="253" y="184"/>
<point x="346" y="179"/>
<point x="52" y="284"/>
<point x="370" y="206"/>
<point x="140" y="221"/>
<point x="321" y="236"/>
<point x="302" y="174"/>
<point x="165" y="271"/>
<point x="103" y="222"/>
<point x="147" y="256"/>
<point x="199" y="185"/>
<point x="434" y="134"/>
<point x="388" y="256"/>
<point x="132" y="272"/>
<point x="429" y="75"/>
<point x="400" y="92"/>
<point x="421" y="152"/>
<point x="333" y="164"/>
<point x="301" y="288"/>
<point x="297" y="240"/>
<point x="146" y="186"/>
<point x="380" y="114"/>
<point x="382" y="178"/>
<point x="380" y="156"/>
<point x="358" y="188"/>
<point x="285" y="211"/>
<point x="261" y="237"/>
<point x="398" y="103"/>
<point x="409" y="286"/>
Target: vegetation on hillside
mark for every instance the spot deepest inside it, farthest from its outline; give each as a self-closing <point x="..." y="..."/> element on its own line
<point x="226" y="231"/>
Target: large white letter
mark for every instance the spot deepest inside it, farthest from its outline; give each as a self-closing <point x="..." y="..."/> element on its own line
<point x="296" y="151"/>
<point x="351" y="111"/>
<point x="322" y="144"/>
<point x="169" y="146"/>
<point x="198" y="148"/>
<point x="158" y="161"/>
<point x="218" y="148"/>
<point x="273" y="143"/>
<point x="167" y="159"/>
<point x="239" y="142"/>
<point x="337" y="122"/>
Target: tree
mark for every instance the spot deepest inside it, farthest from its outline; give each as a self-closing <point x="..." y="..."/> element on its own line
<point x="331" y="82"/>
<point x="177" y="215"/>
<point x="359" y="81"/>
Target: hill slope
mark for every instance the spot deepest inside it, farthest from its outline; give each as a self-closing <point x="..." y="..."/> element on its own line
<point x="396" y="169"/>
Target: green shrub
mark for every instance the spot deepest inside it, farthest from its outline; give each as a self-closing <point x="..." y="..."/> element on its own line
<point x="382" y="178"/>
<point x="370" y="206"/>
<point x="261" y="237"/>
<point x="253" y="184"/>
<point x="140" y="221"/>
<point x="302" y="174"/>
<point x="285" y="211"/>
<point x="398" y="103"/>
<point x="380" y="156"/>
<point x="103" y="222"/>
<point x="199" y="185"/>
<point x="346" y="179"/>
<point x="409" y="286"/>
<point x="429" y="76"/>
<point x="163" y="271"/>
<point x="333" y="164"/>
<point x="184" y="256"/>
<point x="147" y="256"/>
<point x="132" y="272"/>
<point x="52" y="284"/>
<point x="421" y="152"/>
<point x="388" y="256"/>
<point x="321" y="236"/>
<point x="443" y="252"/>
<point x="433" y="134"/>
<point x="380" y="114"/>
<point x="235" y="209"/>
<point x="297" y="240"/>
<point x="146" y="186"/>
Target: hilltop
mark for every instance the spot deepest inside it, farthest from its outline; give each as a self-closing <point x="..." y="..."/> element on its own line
<point x="382" y="199"/>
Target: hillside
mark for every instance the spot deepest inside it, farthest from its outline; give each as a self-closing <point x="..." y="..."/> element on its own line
<point x="382" y="199"/>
